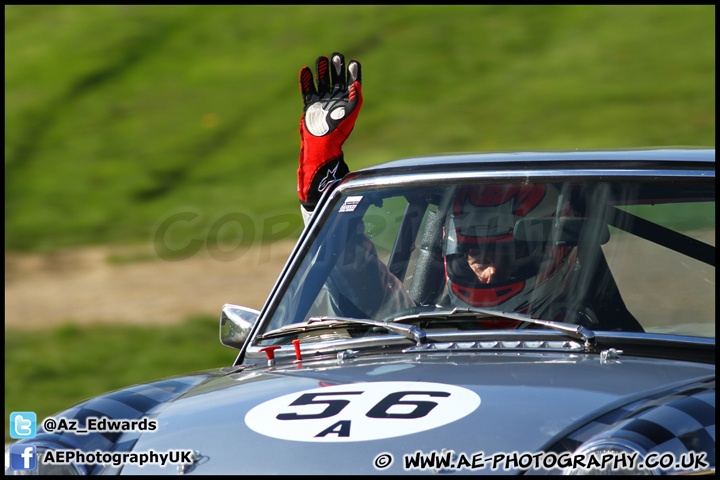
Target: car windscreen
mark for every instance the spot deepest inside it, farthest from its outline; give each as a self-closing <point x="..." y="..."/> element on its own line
<point x="634" y="256"/>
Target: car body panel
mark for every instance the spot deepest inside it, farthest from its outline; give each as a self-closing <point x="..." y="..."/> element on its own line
<point x="510" y="386"/>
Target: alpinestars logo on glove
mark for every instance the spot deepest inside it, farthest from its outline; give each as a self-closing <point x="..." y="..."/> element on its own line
<point x="329" y="178"/>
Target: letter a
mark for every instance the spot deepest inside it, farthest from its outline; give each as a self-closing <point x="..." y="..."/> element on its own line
<point x="341" y="428"/>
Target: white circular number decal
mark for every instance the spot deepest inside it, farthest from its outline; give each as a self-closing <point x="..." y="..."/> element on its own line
<point x="361" y="411"/>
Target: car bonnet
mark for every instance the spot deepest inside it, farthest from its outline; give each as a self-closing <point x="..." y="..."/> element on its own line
<point x="334" y="416"/>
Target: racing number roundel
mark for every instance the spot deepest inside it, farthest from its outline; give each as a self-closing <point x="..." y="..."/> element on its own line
<point x="361" y="411"/>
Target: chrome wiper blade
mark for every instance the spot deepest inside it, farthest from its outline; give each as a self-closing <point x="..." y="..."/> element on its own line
<point x="320" y="323"/>
<point x="577" y="332"/>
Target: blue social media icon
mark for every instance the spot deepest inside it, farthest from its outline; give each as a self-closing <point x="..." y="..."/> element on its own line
<point x="23" y="424"/>
<point x="23" y="457"/>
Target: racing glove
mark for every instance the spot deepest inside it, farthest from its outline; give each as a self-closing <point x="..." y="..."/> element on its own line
<point x="329" y="115"/>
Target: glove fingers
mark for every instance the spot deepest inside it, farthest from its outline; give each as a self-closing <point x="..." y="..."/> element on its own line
<point x="307" y="86"/>
<point x="323" y="75"/>
<point x="354" y="73"/>
<point x="337" y="71"/>
<point x="354" y="86"/>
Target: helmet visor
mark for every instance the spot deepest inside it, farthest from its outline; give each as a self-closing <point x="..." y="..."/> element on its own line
<point x="480" y="249"/>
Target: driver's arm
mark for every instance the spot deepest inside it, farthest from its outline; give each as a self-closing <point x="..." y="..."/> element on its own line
<point x="329" y="114"/>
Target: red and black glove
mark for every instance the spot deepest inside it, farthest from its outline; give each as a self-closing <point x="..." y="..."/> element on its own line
<point x="329" y="116"/>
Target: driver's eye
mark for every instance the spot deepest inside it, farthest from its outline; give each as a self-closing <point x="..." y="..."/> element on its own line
<point x="473" y="259"/>
<point x="479" y="256"/>
<point x="489" y="256"/>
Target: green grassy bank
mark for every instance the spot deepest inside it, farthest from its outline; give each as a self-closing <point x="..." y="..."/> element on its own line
<point x="118" y="116"/>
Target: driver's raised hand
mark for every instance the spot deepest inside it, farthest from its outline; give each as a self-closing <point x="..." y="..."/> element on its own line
<point x="329" y="114"/>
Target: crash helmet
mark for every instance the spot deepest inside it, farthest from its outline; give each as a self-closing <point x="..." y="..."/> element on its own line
<point x="487" y="267"/>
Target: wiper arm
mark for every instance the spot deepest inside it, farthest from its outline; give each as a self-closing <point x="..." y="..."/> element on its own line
<point x="577" y="332"/>
<point x="320" y="323"/>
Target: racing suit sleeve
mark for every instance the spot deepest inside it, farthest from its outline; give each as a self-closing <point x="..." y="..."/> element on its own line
<point x="366" y="287"/>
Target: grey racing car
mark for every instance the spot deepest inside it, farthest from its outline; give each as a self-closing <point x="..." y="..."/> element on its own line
<point x="500" y="313"/>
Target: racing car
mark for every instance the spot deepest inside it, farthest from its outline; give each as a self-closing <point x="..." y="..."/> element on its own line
<point x="589" y="347"/>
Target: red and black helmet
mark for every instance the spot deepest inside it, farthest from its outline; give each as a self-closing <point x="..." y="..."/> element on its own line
<point x="480" y="225"/>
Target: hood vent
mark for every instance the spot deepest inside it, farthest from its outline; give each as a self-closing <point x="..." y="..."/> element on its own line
<point x="558" y="345"/>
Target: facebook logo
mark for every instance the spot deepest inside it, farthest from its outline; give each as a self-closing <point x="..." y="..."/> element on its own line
<point x="23" y="457"/>
<point x="23" y="424"/>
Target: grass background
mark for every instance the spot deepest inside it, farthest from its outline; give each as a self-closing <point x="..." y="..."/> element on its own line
<point x="118" y="116"/>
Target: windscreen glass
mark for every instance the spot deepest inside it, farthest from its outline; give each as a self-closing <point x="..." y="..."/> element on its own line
<point x="635" y="257"/>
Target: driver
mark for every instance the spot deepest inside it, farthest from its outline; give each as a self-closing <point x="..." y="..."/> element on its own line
<point x="485" y="267"/>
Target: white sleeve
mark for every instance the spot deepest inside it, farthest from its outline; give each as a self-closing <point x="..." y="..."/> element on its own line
<point x="306" y="214"/>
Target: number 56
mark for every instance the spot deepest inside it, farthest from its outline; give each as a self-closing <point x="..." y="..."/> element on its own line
<point x="381" y="410"/>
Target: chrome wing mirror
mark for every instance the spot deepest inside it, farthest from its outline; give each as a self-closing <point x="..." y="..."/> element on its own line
<point x="235" y="324"/>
